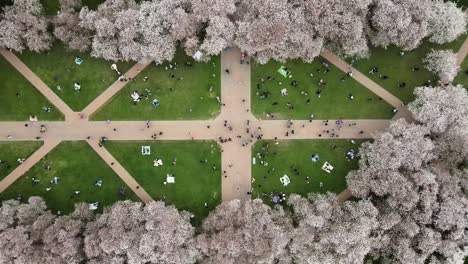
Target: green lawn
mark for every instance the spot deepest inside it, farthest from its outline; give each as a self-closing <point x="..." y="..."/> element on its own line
<point x="461" y="3"/>
<point x="334" y="99"/>
<point x="284" y="158"/>
<point x="462" y="77"/>
<point x="78" y="167"/>
<point x="57" y="67"/>
<point x="19" y="98"/>
<point x="187" y="98"/>
<point x="10" y="152"/>
<point x="195" y="183"/>
<point x="399" y="68"/>
<point x="52" y="6"/>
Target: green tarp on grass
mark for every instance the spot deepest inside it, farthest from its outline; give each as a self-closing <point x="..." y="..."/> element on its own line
<point x="282" y="70"/>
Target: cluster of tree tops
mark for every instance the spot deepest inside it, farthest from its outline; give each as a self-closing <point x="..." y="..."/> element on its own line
<point x="410" y="206"/>
<point x="265" y="29"/>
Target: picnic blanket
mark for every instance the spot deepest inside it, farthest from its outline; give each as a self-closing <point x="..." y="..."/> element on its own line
<point x="282" y="71"/>
<point x="145" y="150"/>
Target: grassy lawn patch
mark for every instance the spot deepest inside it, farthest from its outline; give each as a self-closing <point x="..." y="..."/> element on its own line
<point x="92" y="4"/>
<point x="334" y="101"/>
<point x="291" y="155"/>
<point x="78" y="167"/>
<point x="195" y="183"/>
<point x="462" y="77"/>
<point x="57" y="67"/>
<point x="52" y="6"/>
<point x="19" y="98"/>
<point x="399" y="69"/>
<point x="10" y="152"/>
<point x="187" y="98"/>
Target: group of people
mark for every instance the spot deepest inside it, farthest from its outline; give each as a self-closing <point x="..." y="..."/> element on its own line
<point x="265" y="84"/>
<point x="55" y="181"/>
<point x="146" y="92"/>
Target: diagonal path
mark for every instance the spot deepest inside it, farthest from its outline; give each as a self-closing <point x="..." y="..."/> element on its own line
<point x="344" y="196"/>
<point x="28" y="163"/>
<point x="371" y="85"/>
<point x="112" y="90"/>
<point x="38" y="83"/>
<point x="462" y="52"/>
<point x="123" y="174"/>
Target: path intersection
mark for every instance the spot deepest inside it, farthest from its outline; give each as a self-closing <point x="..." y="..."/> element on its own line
<point x="242" y="128"/>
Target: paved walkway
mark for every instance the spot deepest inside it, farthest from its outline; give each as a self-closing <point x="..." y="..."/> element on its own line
<point x="235" y="97"/>
<point x="343" y="196"/>
<point x="28" y="163"/>
<point x="38" y="83"/>
<point x="123" y="174"/>
<point x="235" y="122"/>
<point x="112" y="90"/>
<point x="462" y="52"/>
<point x="369" y="84"/>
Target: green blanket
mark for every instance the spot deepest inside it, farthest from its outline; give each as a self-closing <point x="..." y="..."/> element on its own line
<point x="282" y="71"/>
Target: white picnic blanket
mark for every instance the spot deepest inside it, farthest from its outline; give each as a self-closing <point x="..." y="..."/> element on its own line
<point x="285" y="180"/>
<point x="145" y="150"/>
<point x="170" y="179"/>
<point x="327" y="167"/>
<point x="157" y="163"/>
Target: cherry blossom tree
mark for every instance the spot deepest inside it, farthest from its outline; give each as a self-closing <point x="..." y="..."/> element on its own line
<point x="262" y="28"/>
<point x="443" y="110"/>
<point x="342" y="24"/>
<point x="67" y="26"/>
<point x="446" y="22"/>
<point x="127" y="232"/>
<point x="214" y="21"/>
<point x="328" y="232"/>
<point x="403" y="23"/>
<point x="23" y="26"/>
<point x="21" y="230"/>
<point x="103" y="25"/>
<point x="145" y="32"/>
<point x="63" y="240"/>
<point x="244" y="232"/>
<point x="423" y="210"/>
<point x="443" y="63"/>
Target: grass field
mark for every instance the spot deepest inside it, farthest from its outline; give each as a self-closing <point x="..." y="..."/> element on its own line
<point x="19" y="98"/>
<point x="334" y="101"/>
<point x="291" y="155"/>
<point x="52" y="6"/>
<point x="10" y="152"/>
<point x="399" y="68"/>
<point x="195" y="183"/>
<point x="78" y="167"/>
<point x="187" y="98"/>
<point x="462" y="77"/>
<point x="57" y="67"/>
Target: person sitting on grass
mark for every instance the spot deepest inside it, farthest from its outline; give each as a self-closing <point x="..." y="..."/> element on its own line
<point x="77" y="86"/>
<point x="55" y="180"/>
<point x="98" y="183"/>
<point x="136" y="97"/>
<point x="155" y="102"/>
